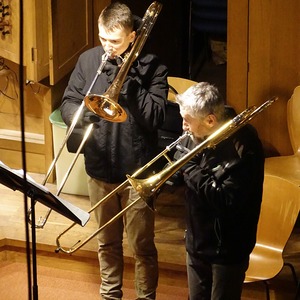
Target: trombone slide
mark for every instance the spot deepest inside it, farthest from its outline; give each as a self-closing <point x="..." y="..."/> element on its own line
<point x="121" y="187"/>
<point x="146" y="188"/>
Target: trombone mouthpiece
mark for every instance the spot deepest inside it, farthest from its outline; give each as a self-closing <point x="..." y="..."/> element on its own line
<point x="105" y="56"/>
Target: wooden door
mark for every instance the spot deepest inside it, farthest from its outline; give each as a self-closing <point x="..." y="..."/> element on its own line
<point x="70" y="33"/>
<point x="36" y="48"/>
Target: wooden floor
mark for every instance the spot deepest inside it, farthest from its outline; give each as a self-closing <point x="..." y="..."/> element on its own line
<point x="169" y="240"/>
<point x="169" y="223"/>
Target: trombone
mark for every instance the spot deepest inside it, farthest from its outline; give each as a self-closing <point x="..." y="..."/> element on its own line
<point x="106" y="106"/>
<point x="148" y="187"/>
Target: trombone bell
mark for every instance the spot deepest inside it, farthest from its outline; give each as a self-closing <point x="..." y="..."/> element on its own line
<point x="106" y="108"/>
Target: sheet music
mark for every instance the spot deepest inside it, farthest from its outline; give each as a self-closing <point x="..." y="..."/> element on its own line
<point x="14" y="179"/>
<point x="20" y="173"/>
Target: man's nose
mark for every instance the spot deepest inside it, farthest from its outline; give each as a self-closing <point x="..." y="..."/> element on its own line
<point x="107" y="45"/>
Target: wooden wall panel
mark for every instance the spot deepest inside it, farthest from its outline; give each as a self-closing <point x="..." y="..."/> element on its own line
<point x="267" y="57"/>
<point x="237" y="54"/>
<point x="97" y="8"/>
<point x="274" y="65"/>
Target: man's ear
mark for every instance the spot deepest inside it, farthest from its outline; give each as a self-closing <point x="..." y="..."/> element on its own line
<point x="211" y="120"/>
<point x="132" y="36"/>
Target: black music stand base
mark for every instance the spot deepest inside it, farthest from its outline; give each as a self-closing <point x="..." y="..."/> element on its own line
<point x="33" y="251"/>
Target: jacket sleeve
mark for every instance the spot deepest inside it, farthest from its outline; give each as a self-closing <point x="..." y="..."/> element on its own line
<point x="145" y="92"/>
<point x="79" y="82"/>
<point x="73" y="95"/>
<point x="227" y="179"/>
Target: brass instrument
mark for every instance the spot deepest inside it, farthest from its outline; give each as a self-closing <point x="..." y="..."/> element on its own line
<point x="106" y="106"/>
<point x="148" y="187"/>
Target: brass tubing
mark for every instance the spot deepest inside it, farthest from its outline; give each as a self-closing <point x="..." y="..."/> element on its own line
<point x="146" y="188"/>
<point x="121" y="187"/>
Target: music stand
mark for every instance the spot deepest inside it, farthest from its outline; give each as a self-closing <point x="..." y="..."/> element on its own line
<point x="14" y="179"/>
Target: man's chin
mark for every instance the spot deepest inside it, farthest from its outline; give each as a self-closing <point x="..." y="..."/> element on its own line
<point x="196" y="140"/>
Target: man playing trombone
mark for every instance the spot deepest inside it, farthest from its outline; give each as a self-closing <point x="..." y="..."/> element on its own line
<point x="115" y="149"/>
<point x="223" y="196"/>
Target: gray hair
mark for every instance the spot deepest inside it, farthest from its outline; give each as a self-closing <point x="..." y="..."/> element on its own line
<point x="115" y="16"/>
<point x="201" y="100"/>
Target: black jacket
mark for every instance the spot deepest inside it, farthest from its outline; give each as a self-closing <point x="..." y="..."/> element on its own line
<point x="116" y="149"/>
<point x="223" y="198"/>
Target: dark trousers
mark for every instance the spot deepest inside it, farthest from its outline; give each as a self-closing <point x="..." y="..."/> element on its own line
<point x="208" y="281"/>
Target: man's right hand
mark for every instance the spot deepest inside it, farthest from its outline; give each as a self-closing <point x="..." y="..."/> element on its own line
<point x="111" y="69"/>
<point x="87" y="118"/>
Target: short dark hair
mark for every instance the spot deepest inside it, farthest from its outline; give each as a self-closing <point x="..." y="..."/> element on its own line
<point x="116" y="15"/>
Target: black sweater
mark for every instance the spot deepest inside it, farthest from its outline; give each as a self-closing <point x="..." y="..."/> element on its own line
<point x="116" y="149"/>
